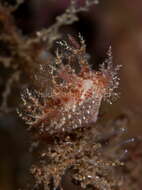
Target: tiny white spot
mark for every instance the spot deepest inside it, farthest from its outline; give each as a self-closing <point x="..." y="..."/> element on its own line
<point x="69" y="116"/>
<point x="88" y="111"/>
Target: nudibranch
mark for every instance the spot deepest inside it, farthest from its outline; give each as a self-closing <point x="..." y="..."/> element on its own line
<point x="76" y="91"/>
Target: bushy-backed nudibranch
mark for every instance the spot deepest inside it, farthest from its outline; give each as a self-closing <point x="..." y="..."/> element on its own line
<point x="75" y="91"/>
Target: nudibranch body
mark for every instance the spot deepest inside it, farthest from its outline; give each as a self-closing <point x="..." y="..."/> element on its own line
<point x="76" y="92"/>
